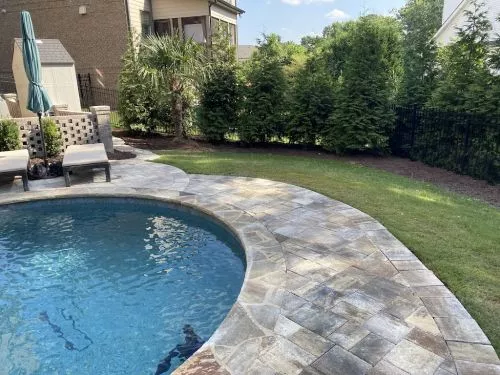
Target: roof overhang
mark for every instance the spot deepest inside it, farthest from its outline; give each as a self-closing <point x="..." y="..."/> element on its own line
<point x="226" y="5"/>
<point x="446" y="24"/>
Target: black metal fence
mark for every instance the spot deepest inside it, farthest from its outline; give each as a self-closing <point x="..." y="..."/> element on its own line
<point x="7" y="84"/>
<point x="462" y="142"/>
<point x="91" y="95"/>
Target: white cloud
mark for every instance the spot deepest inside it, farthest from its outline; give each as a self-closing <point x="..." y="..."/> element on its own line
<point x="306" y="2"/>
<point x="337" y="14"/>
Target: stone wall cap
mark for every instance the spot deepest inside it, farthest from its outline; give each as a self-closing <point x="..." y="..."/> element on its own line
<point x="100" y="108"/>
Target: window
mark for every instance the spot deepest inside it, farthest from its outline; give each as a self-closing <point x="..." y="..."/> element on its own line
<point x="232" y="33"/>
<point x="146" y="23"/>
<point x="216" y="24"/>
<point x="189" y="27"/>
<point x="163" y="27"/>
<point x="224" y="28"/>
<point x="194" y="27"/>
<point x="175" y="26"/>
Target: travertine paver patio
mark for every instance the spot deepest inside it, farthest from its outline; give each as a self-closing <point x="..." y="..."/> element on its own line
<point x="328" y="289"/>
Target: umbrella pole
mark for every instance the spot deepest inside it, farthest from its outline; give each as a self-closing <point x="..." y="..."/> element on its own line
<point x="45" y="162"/>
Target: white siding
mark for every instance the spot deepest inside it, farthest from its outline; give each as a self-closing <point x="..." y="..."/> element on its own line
<point x="448" y="31"/>
<point x="449" y="7"/>
<point x="61" y="85"/>
<point x="135" y="7"/>
<point x="224" y="15"/>
<point x="165" y="9"/>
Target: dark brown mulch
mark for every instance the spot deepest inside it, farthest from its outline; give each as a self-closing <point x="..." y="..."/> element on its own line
<point x="117" y="155"/>
<point x="160" y="141"/>
<point x="49" y="160"/>
<point x="121" y="155"/>
<point x="451" y="181"/>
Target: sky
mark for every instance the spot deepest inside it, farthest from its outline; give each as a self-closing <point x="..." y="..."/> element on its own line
<point x="293" y="19"/>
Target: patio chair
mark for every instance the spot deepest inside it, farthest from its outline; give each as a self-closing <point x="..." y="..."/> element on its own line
<point x="85" y="156"/>
<point x="15" y="163"/>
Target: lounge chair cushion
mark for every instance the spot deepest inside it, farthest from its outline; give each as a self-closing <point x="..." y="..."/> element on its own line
<point x="14" y="161"/>
<point x="81" y="155"/>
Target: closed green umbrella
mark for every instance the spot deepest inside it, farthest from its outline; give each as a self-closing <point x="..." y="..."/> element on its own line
<point x="38" y="99"/>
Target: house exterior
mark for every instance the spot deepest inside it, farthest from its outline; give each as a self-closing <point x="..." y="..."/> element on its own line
<point x="453" y="18"/>
<point x="95" y="32"/>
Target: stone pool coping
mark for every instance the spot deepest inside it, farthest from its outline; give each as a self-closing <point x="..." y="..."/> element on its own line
<point x="327" y="290"/>
<point x="257" y="242"/>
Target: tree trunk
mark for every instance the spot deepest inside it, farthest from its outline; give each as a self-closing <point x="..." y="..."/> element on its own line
<point x="177" y="116"/>
<point x="178" y="109"/>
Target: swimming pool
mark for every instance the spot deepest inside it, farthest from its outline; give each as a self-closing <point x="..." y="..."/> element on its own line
<point x="106" y="286"/>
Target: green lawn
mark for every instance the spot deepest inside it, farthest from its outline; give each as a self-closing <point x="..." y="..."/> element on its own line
<point x="455" y="236"/>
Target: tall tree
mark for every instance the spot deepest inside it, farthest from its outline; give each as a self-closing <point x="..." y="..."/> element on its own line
<point x="420" y="20"/>
<point x="220" y="99"/>
<point x="265" y="110"/>
<point x="175" y="65"/>
<point x="464" y="76"/>
<point x="362" y="118"/>
<point x="494" y="57"/>
<point x="494" y="63"/>
<point x="311" y="100"/>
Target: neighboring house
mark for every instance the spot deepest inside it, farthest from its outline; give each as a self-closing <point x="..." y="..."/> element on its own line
<point x="245" y="52"/>
<point x="95" y="32"/>
<point x="454" y="17"/>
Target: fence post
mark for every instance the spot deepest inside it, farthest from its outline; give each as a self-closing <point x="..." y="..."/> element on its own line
<point x="80" y="90"/>
<point x="102" y="117"/>
<point x="465" y="154"/>
<point x="414" y="121"/>
<point x="90" y="91"/>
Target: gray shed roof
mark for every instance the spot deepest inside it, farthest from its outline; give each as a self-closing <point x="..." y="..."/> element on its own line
<point x="51" y="51"/>
<point x="245" y="52"/>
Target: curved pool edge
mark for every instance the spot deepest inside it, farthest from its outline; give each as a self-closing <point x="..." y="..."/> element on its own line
<point x="263" y="255"/>
<point x="263" y="335"/>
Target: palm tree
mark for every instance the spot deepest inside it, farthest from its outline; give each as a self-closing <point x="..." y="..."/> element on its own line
<point x="175" y="65"/>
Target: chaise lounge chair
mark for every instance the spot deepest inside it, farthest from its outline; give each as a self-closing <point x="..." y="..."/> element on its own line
<point x="15" y="163"/>
<point x="85" y="156"/>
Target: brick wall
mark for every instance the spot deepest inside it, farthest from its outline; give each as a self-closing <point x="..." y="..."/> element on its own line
<point x="96" y="41"/>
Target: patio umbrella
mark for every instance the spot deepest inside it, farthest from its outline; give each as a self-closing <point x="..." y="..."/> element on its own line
<point x="38" y="99"/>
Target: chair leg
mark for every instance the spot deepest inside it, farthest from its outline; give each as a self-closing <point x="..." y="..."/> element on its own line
<point x="108" y="173"/>
<point x="25" y="181"/>
<point x="66" y="177"/>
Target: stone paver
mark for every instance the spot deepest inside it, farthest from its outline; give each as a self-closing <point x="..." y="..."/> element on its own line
<point x="473" y="352"/>
<point x="473" y="368"/>
<point x="372" y="348"/>
<point x="388" y="327"/>
<point x="414" y="359"/>
<point x="328" y="290"/>
<point x="465" y="330"/>
<point x="338" y="361"/>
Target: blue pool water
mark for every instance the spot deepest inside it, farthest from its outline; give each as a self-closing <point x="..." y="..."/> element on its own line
<point x="105" y="286"/>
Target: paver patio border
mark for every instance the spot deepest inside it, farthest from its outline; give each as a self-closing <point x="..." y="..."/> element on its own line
<point x="328" y="290"/>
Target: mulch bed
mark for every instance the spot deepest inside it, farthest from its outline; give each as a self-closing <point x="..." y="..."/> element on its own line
<point x="38" y="170"/>
<point x="451" y="181"/>
<point x="117" y="155"/>
<point x="121" y="155"/>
